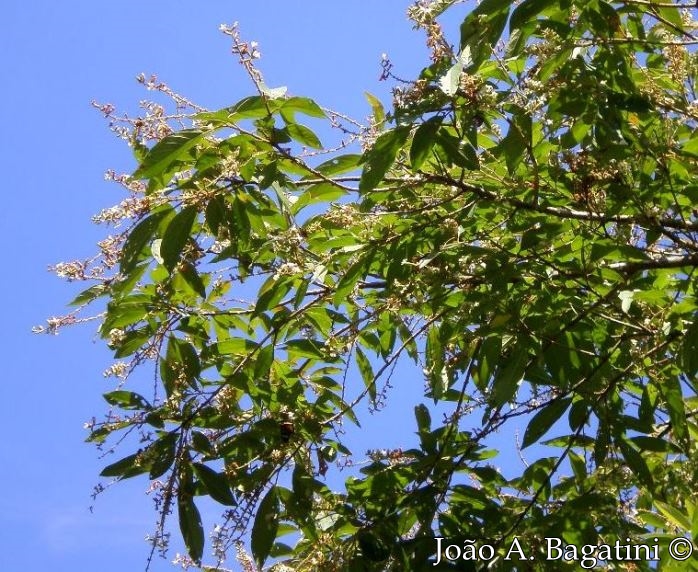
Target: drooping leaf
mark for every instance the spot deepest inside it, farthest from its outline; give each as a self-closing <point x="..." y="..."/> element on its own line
<point x="216" y="484"/>
<point x="190" y="526"/>
<point x="421" y="413"/>
<point x="191" y="276"/>
<point x="423" y="141"/>
<point x="435" y="369"/>
<point x="264" y="361"/>
<point x="544" y="420"/>
<point x="366" y="373"/>
<point x="162" y="454"/>
<point x="636" y="462"/>
<point x="139" y="238"/>
<point x="127" y="400"/>
<point x="266" y="525"/>
<point x="177" y="236"/>
<point x="348" y="282"/>
<point x="376" y="108"/>
<point x="508" y="376"/>
<point x="380" y="157"/>
<point x="129" y="466"/>
<point x="181" y="363"/>
<point x="671" y="391"/>
<point x="689" y="349"/>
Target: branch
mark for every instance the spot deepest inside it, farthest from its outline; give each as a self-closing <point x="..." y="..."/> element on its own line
<point x="562" y="212"/>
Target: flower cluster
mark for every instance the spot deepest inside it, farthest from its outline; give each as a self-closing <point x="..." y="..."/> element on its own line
<point x="118" y="369"/>
<point x="130" y="208"/>
<point x="71" y="271"/>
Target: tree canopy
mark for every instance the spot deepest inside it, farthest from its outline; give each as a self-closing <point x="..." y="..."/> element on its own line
<point x="516" y="235"/>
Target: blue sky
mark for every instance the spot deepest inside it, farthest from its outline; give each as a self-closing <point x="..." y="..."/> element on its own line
<point x="56" y="58"/>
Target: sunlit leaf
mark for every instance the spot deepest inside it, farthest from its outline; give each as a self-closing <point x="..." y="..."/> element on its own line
<point x="379" y="158"/>
<point x="170" y="149"/>
<point x="176" y="236"/>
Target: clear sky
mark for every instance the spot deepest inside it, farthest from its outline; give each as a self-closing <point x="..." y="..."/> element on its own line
<point x="56" y="57"/>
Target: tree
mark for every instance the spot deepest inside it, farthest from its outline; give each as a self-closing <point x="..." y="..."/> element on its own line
<point x="519" y="230"/>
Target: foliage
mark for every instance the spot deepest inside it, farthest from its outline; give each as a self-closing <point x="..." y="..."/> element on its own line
<point x="519" y="232"/>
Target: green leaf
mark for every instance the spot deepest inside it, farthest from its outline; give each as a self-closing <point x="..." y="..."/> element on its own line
<point x="688" y="355"/>
<point x="527" y="11"/>
<point x="523" y="23"/>
<point x="129" y="466"/>
<point x="177" y="236"/>
<point x="456" y="151"/>
<point x="508" y="376"/>
<point x="487" y="358"/>
<point x="305" y="349"/>
<point x="216" y="484"/>
<point x="170" y="149"/>
<point x="421" y="413"/>
<point x="517" y="140"/>
<point x="272" y="292"/>
<point x="691" y="147"/>
<point x="366" y="373"/>
<point x="379" y="158"/>
<point x="653" y="444"/>
<point x="544" y="420"/>
<point x="671" y="391"/>
<point x="674" y="516"/>
<point x="127" y="400"/>
<point x="139" y="237"/>
<point x="236" y="346"/>
<point x="200" y="443"/>
<point x="162" y="454"/>
<point x="376" y="108"/>
<point x="579" y="414"/>
<point x="303" y="105"/>
<point x="338" y="165"/>
<point x="427" y="438"/>
<point x="437" y="376"/>
<point x="132" y="341"/>
<point x="125" y="312"/>
<point x="372" y="547"/>
<point x="251" y="107"/>
<point x="354" y="273"/>
<point x="264" y="362"/>
<point x="192" y="278"/>
<point x="92" y="293"/>
<point x="636" y="462"/>
<point x="320" y="193"/>
<point x="483" y="27"/>
<point x="303" y="135"/>
<point x="190" y="526"/>
<point x="423" y="141"/>
<point x="181" y="362"/>
<point x="265" y="526"/>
